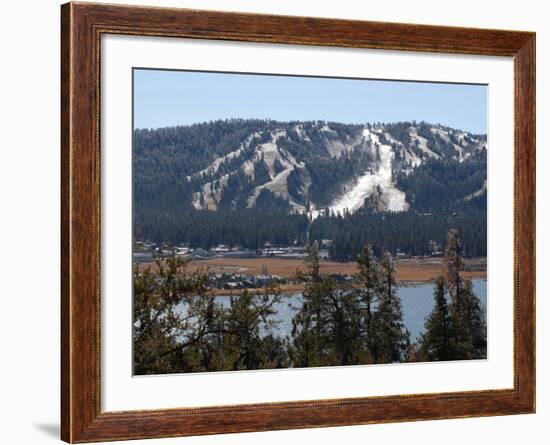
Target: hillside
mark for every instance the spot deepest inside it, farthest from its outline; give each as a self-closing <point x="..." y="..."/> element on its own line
<point x="302" y="176"/>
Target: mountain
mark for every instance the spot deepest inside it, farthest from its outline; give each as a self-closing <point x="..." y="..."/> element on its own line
<point x="239" y="169"/>
<point x="314" y="166"/>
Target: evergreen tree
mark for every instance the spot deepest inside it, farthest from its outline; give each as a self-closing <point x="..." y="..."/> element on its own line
<point x="310" y="323"/>
<point x="313" y="260"/>
<point x="437" y="342"/>
<point x="477" y="326"/>
<point x="367" y="284"/>
<point x="305" y="348"/>
<point x="244" y="347"/>
<point x="310" y="330"/>
<point x="327" y="329"/>
<point x="390" y="338"/>
<point x="467" y="315"/>
<point x="157" y="296"/>
<point x="178" y="328"/>
<point x="454" y="263"/>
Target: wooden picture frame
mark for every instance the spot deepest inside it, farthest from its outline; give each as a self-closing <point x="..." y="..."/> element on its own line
<point x="82" y="26"/>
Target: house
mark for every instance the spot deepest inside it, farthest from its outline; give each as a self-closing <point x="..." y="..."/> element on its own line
<point x="231" y="285"/>
<point x="183" y="251"/>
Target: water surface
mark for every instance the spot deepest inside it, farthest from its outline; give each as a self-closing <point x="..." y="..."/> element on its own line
<point x="416" y="298"/>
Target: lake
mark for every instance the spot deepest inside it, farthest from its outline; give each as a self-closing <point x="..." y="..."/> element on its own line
<point x="417" y="300"/>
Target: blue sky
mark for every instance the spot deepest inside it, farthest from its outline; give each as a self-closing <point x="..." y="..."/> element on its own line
<point x="165" y="98"/>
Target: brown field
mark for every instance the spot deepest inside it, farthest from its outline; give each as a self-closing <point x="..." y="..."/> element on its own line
<point x="412" y="270"/>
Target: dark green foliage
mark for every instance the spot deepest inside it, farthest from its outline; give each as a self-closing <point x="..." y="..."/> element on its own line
<point x="328" y="175"/>
<point x="391" y="339"/>
<point x="408" y="232"/>
<point x="277" y="166"/>
<point x="350" y="323"/>
<point x="442" y="185"/>
<point x="442" y="193"/>
<point x="191" y="148"/>
<point x="295" y="185"/>
<point x="469" y="328"/>
<point x="327" y="328"/>
<point x="249" y="228"/>
<point x="156" y="298"/>
<point x="234" y="195"/>
<point x="272" y="221"/>
<point x="270" y="204"/>
<point x="367" y="285"/>
<point x="179" y="329"/>
<point x="436" y="342"/>
<point x="165" y="160"/>
<point x="245" y="348"/>
<point x="455" y="331"/>
<point x="261" y="172"/>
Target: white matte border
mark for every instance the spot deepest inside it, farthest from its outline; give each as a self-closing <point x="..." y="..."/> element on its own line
<point x="121" y="391"/>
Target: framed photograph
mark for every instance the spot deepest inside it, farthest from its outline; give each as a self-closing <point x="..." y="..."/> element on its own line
<point x="274" y="222"/>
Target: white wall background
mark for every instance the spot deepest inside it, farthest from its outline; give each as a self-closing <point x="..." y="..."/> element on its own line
<point x="29" y="219"/>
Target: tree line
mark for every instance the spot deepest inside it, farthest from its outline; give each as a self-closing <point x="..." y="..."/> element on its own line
<point x="178" y="327"/>
<point x="411" y="232"/>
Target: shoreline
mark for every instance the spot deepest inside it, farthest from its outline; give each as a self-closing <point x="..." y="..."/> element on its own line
<point x="287" y="289"/>
<point x="410" y="272"/>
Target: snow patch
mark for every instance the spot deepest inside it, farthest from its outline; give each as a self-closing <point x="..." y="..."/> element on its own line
<point x="210" y="196"/>
<point x="325" y="128"/>
<point x="215" y="164"/>
<point x="392" y="198"/>
<point x="422" y="143"/>
<point x="299" y="129"/>
<point x="442" y="134"/>
<point x="279" y="186"/>
<point x="477" y="193"/>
